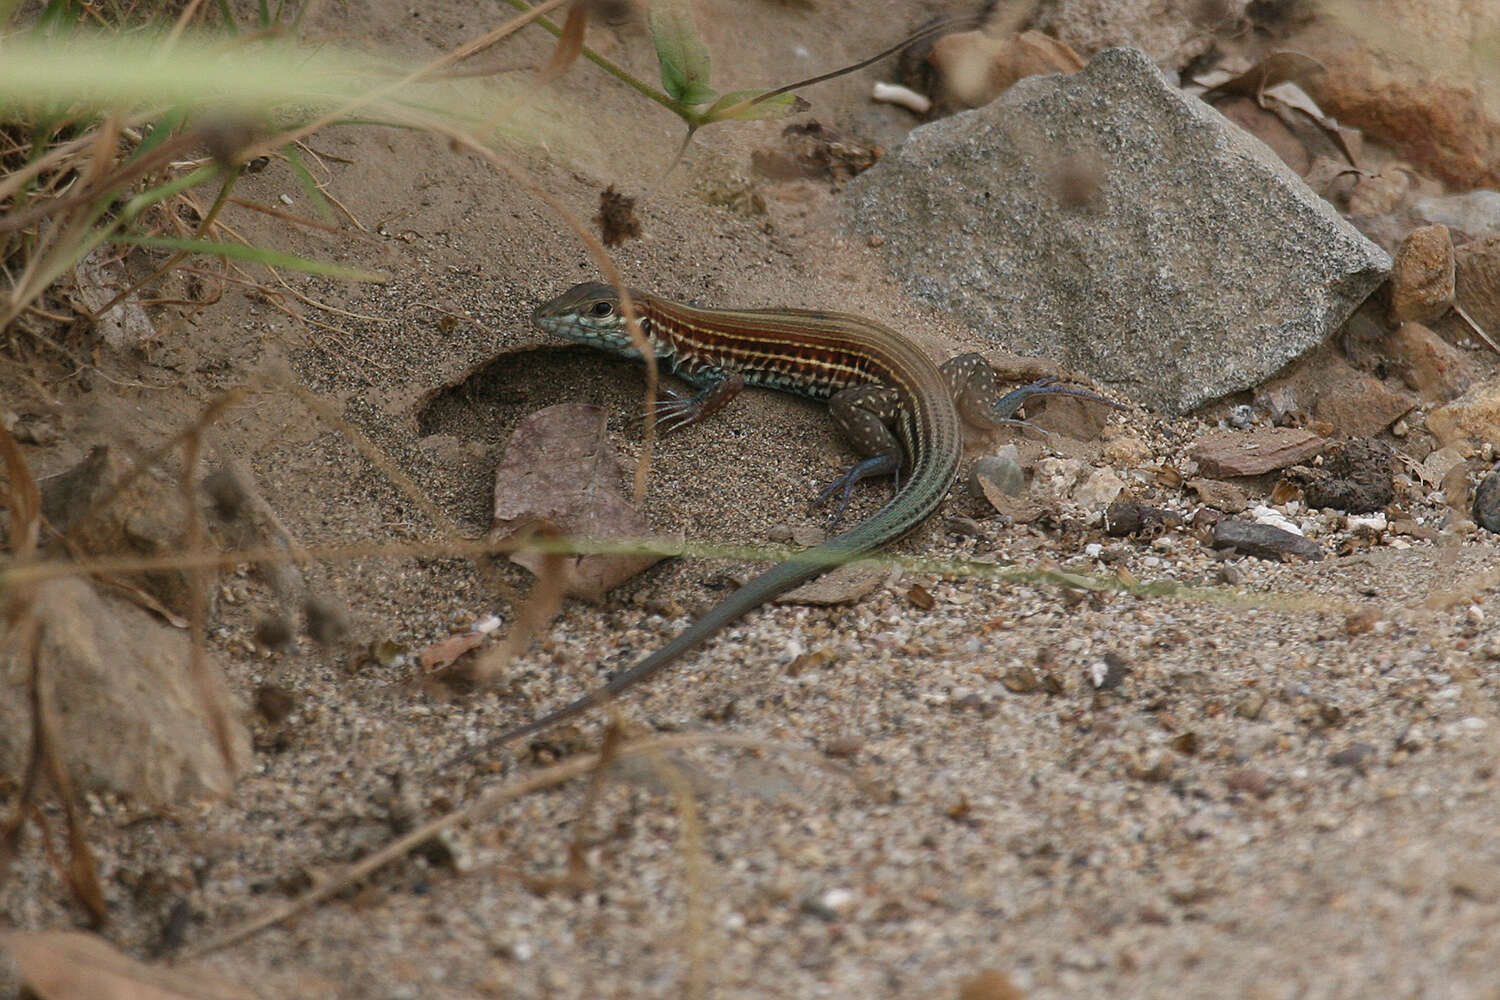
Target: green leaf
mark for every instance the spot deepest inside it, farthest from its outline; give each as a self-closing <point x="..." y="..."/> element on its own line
<point x="258" y="255"/>
<point x="772" y="107"/>
<point x="682" y="54"/>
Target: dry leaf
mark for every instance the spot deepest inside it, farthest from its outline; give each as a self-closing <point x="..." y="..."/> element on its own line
<point x="66" y="965"/>
<point x="440" y="654"/>
<point x="560" y="471"/>
<point x="1277" y="68"/>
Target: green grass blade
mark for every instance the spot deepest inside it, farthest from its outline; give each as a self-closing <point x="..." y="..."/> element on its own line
<point x="255" y="255"/>
<point x="227" y="13"/>
<point x="309" y="185"/>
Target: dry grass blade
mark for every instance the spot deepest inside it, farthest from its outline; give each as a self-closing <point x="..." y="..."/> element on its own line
<point x="213" y="709"/>
<point x="539" y="608"/>
<point x="695" y="873"/>
<point x="569" y="43"/>
<point x="21" y="641"/>
<point x="66" y="965"/>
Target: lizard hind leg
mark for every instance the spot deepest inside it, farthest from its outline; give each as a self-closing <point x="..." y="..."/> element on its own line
<point x="866" y="415"/>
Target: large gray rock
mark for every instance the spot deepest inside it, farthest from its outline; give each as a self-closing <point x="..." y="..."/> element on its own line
<point x="1105" y="220"/>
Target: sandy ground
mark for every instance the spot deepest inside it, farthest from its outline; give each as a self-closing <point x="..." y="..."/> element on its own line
<point x="1210" y="826"/>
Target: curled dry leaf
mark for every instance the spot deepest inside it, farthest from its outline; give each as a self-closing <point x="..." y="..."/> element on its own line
<point x="560" y="472"/>
<point x="440" y="654"/>
<point x="1276" y="68"/>
<point x="66" y="965"/>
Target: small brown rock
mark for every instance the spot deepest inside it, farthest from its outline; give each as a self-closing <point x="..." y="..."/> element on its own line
<point x="1478" y="288"/>
<point x="1477" y="879"/>
<point x="1361" y="407"/>
<point x="990" y="984"/>
<point x="1186" y="743"/>
<point x="1431" y="366"/>
<point x="1020" y="680"/>
<point x="1249" y="782"/>
<point x="920" y="597"/>
<point x="1422" y="280"/>
<point x="1379" y="194"/>
<point x="274" y="703"/>
<point x="844" y="747"/>
<point x="1475" y="414"/>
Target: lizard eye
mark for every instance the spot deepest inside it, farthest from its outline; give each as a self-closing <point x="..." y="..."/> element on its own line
<point x="601" y="309"/>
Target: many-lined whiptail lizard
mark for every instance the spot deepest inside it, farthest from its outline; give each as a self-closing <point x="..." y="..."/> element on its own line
<point x="895" y="406"/>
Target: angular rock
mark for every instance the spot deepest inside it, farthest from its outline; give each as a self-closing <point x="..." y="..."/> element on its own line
<point x="1219" y="495"/>
<point x="1002" y="472"/>
<point x="1107" y="221"/>
<point x="1361" y="406"/>
<point x="1264" y="541"/>
<point x="1475" y="414"/>
<point x="1434" y="368"/>
<point x="560" y="473"/>
<point x="130" y="719"/>
<point x="1477" y="287"/>
<point x="1487" y="503"/>
<point x="844" y="584"/>
<point x="1099" y="489"/>
<point x="1236" y="453"/>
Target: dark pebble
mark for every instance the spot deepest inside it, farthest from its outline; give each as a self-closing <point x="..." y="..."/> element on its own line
<point x="1264" y="541"/>
<point x="1357" y="755"/>
<point x="1487" y="503"/>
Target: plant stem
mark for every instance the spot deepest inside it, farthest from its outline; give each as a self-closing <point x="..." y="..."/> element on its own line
<point x="624" y="76"/>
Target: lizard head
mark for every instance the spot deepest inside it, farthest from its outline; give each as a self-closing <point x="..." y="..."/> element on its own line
<point x="591" y="314"/>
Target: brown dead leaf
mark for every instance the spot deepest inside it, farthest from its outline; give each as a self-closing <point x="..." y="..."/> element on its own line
<point x="1276" y="68"/>
<point x="440" y="654"/>
<point x="67" y="965"/>
<point x="560" y="471"/>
